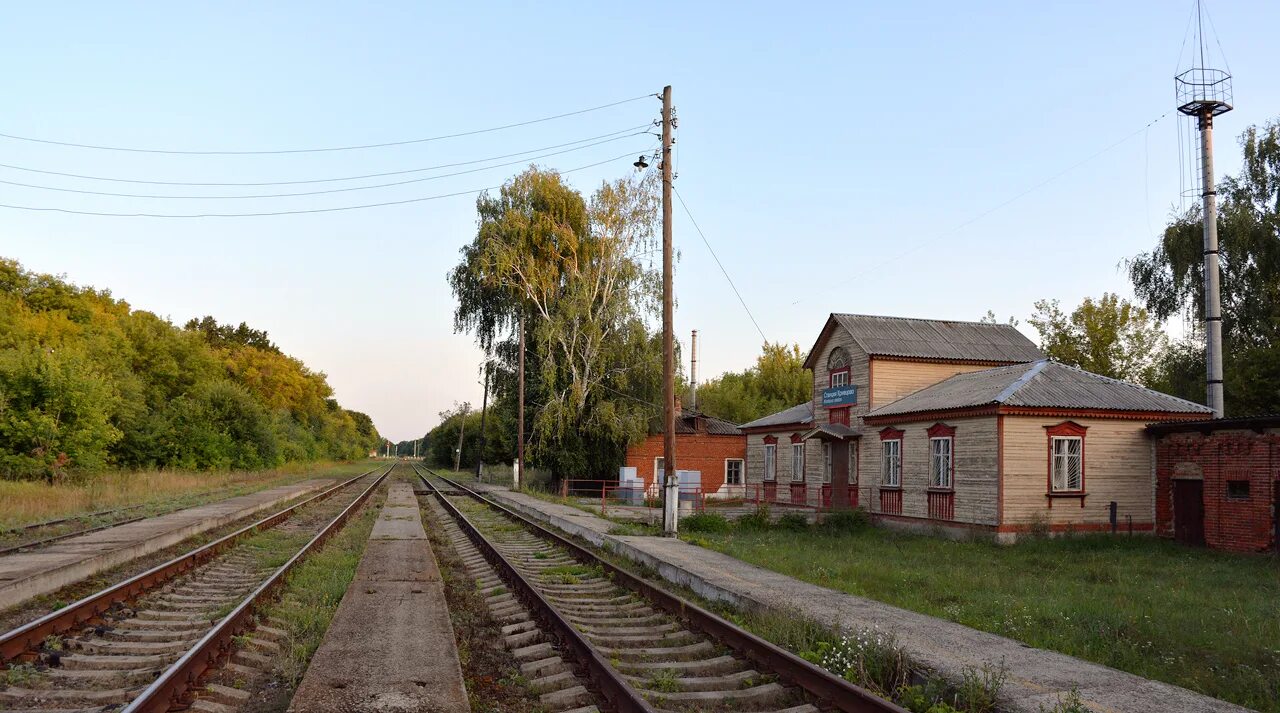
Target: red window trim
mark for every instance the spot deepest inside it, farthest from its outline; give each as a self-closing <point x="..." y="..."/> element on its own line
<point x="889" y="433"/>
<point x="845" y="412"/>
<point x="771" y="439"/>
<point x="842" y="370"/>
<point x="1066" y="429"/>
<point x="942" y="430"/>
<point x="797" y="438"/>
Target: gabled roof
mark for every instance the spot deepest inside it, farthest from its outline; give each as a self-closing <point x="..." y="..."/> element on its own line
<point x="687" y="424"/>
<point x="1040" y="384"/>
<point x="802" y="414"/>
<point x="931" y="339"/>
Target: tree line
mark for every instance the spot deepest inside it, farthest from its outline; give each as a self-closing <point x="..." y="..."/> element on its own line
<point x="87" y="382"/>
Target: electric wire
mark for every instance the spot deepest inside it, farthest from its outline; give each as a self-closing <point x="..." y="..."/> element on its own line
<point x="335" y="209"/>
<point x="321" y="192"/>
<point x="356" y="147"/>
<point x="718" y="263"/>
<point x="323" y="180"/>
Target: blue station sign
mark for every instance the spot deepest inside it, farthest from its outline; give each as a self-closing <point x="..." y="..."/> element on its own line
<point x="840" y="396"/>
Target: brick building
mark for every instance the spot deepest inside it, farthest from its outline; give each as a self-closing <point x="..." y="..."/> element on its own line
<point x="712" y="446"/>
<point x="1218" y="482"/>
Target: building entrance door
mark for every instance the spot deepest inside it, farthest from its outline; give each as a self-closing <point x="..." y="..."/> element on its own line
<point x="839" y="475"/>
<point x="1188" y="511"/>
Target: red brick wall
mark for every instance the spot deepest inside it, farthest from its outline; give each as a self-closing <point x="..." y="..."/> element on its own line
<point x="1222" y="456"/>
<point x="702" y="452"/>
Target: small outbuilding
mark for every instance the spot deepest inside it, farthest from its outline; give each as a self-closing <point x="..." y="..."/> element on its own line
<point x="1218" y="482"/>
<point x="713" y="446"/>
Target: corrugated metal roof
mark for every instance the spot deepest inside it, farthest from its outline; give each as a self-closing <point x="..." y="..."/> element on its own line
<point x="938" y="339"/>
<point x="1040" y="384"/>
<point x="833" y="432"/>
<point x="796" y="414"/>
<point x="715" y="426"/>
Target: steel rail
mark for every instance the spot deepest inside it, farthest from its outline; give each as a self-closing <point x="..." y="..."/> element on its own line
<point x="819" y="682"/>
<point x="19" y="642"/>
<point x="172" y="689"/>
<point x="611" y="685"/>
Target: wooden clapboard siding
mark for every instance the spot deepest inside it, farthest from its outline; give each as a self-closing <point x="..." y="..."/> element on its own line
<point x="976" y="455"/>
<point x="892" y="379"/>
<point x="1117" y="467"/>
<point x="858" y="376"/>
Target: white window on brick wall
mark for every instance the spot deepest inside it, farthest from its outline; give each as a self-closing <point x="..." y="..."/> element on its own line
<point x="770" y="461"/>
<point x="733" y="471"/>
<point x="1068" y="464"/>
<point x="891" y="466"/>
<point x="659" y="465"/>
<point x="826" y="461"/>
<point x="940" y="465"/>
<point x="797" y="461"/>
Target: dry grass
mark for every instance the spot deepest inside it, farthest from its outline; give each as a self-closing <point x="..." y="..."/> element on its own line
<point x="26" y="502"/>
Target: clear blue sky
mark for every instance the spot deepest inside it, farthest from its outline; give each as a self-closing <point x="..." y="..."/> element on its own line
<point x="829" y="151"/>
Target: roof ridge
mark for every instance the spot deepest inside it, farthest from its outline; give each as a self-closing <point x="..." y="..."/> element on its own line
<point x="1021" y="381"/>
<point x="923" y="319"/>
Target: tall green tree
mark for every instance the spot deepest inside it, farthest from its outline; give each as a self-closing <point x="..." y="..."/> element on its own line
<point x="1109" y="336"/>
<point x="1170" y="280"/>
<point x="777" y="381"/>
<point x="573" y="269"/>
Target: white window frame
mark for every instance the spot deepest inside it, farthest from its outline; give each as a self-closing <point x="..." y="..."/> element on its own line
<point x="658" y="470"/>
<point x="942" y="461"/>
<point x="797" y="468"/>
<point x="771" y="462"/>
<point x="742" y="467"/>
<point x="843" y="380"/>
<point x="891" y="462"/>
<point x="1060" y="476"/>
<point x="827" y="462"/>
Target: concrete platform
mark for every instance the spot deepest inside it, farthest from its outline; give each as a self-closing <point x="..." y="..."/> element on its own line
<point x="29" y="574"/>
<point x="1035" y="676"/>
<point x="390" y="646"/>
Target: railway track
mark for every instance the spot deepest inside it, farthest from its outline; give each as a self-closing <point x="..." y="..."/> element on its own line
<point x="144" y="644"/>
<point x="593" y="636"/>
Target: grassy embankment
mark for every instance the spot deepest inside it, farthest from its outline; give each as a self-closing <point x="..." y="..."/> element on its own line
<point x="26" y="502"/>
<point x="1207" y="621"/>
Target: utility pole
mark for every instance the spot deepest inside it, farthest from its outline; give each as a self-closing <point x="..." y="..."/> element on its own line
<point x="693" y="372"/>
<point x="462" y="429"/>
<point x="518" y="476"/>
<point x="671" y="491"/>
<point x="484" y="411"/>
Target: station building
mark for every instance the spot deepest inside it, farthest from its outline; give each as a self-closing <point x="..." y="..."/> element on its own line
<point x="961" y="426"/>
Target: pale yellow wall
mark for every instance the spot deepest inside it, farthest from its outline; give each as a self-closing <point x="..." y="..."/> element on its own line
<point x="1117" y="466"/>
<point x="891" y="380"/>
<point x="975" y="468"/>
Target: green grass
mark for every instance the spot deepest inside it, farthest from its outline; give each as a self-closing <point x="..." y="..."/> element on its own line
<point x="314" y="588"/>
<point x="1207" y="621"/>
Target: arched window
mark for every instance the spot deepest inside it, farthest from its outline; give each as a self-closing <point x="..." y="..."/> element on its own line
<point x="838" y="367"/>
<point x="838" y="359"/>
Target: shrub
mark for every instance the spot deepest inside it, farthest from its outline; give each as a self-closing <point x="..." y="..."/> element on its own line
<point x="758" y="520"/>
<point x="794" y="522"/>
<point x="843" y="522"/>
<point x="705" y="522"/>
<point x="867" y="658"/>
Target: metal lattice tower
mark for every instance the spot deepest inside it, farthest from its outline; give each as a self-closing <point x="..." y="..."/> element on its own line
<point x="1204" y="92"/>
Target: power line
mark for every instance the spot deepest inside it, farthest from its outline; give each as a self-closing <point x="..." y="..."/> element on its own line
<point x="629" y="154"/>
<point x="322" y="192"/>
<point x="323" y="180"/>
<point x="325" y="149"/>
<point x="720" y="264"/>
